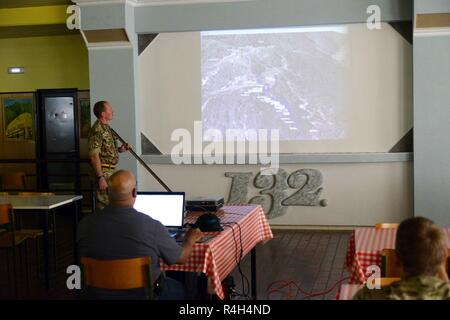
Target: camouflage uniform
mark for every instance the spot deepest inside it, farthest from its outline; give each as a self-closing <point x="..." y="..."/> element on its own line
<point x="102" y="141"/>
<point x="414" y="288"/>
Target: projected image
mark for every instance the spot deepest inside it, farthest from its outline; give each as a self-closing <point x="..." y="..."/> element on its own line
<point x="290" y="79"/>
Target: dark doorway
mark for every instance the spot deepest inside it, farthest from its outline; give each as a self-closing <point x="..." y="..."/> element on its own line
<point x="58" y="143"/>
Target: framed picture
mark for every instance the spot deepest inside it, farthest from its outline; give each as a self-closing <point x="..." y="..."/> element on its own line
<point x="18" y="117"/>
<point x="85" y="118"/>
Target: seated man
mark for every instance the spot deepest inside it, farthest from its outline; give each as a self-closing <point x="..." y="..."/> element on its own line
<point x="422" y="253"/>
<point x="120" y="232"/>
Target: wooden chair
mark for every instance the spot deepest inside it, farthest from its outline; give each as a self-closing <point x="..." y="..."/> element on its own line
<point x="390" y="267"/>
<point x="33" y="193"/>
<point x="35" y="234"/>
<point x="389" y="264"/>
<point x="13" y="181"/>
<point x="384" y="282"/>
<point x="386" y="226"/>
<point x="121" y="274"/>
<point x="447" y="263"/>
<point x="11" y="240"/>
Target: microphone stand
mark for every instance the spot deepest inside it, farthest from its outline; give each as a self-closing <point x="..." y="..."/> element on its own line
<point x="142" y="162"/>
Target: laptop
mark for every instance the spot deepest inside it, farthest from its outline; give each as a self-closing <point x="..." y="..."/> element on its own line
<point x="166" y="207"/>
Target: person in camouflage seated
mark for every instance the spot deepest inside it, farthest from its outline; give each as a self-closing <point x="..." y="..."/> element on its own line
<point x="421" y="250"/>
<point x="103" y="151"/>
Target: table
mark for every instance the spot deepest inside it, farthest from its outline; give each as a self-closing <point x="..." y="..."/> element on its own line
<point x="216" y="258"/>
<point x="365" y="247"/>
<point x="348" y="291"/>
<point x="46" y="203"/>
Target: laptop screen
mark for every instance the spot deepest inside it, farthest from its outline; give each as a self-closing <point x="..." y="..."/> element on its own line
<point x="166" y="207"/>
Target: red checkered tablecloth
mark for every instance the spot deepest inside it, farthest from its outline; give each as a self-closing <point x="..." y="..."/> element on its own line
<point x="218" y="256"/>
<point x="365" y="247"/>
<point x="347" y="291"/>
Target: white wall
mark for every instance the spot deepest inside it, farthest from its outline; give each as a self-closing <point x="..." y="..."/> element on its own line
<point x="377" y="91"/>
<point x="357" y="194"/>
<point x="379" y="99"/>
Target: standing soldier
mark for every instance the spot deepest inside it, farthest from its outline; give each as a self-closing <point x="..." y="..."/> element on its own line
<point x="103" y="151"/>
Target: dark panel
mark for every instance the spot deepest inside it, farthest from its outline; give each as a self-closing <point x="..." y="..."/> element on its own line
<point x="106" y="35"/>
<point x="147" y="146"/>
<point x="144" y="40"/>
<point x="405" y="28"/>
<point x="405" y="144"/>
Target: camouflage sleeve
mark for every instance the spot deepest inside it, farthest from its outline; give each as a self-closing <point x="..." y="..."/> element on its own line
<point x="95" y="142"/>
<point x="360" y="295"/>
<point x="372" y="294"/>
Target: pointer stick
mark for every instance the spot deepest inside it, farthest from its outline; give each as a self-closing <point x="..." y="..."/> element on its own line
<point x="142" y="162"/>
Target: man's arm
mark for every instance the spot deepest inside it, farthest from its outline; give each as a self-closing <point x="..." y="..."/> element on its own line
<point x="192" y="236"/>
<point x="124" y="147"/>
<point x="97" y="165"/>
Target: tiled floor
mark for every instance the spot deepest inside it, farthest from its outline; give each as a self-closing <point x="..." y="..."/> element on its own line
<point x="311" y="261"/>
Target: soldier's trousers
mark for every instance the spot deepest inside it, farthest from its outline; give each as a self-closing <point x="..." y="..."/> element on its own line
<point x="101" y="197"/>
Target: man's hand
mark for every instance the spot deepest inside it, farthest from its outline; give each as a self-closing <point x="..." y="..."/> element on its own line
<point x="193" y="235"/>
<point x="125" y="147"/>
<point x="102" y="184"/>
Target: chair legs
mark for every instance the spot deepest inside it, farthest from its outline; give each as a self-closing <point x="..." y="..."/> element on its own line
<point x="8" y="270"/>
<point x="54" y="240"/>
<point x="27" y="268"/>
<point x="38" y="259"/>
<point x="14" y="271"/>
<point x="17" y="271"/>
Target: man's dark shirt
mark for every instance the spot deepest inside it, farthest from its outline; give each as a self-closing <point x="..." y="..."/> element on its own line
<point x="119" y="232"/>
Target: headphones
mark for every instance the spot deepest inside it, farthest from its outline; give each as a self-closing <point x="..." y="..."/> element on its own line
<point x="208" y="222"/>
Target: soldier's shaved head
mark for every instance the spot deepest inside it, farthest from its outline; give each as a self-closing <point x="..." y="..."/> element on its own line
<point x="122" y="187"/>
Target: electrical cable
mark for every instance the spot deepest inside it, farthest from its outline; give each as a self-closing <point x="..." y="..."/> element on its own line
<point x="299" y="289"/>
<point x="246" y="286"/>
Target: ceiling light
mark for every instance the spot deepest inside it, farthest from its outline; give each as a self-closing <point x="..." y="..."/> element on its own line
<point x="16" y="70"/>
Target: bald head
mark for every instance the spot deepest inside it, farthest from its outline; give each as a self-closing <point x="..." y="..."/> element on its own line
<point x="122" y="187"/>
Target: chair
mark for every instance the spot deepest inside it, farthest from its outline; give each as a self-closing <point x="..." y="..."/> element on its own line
<point x="11" y="240"/>
<point x="33" y="193"/>
<point x="386" y="226"/>
<point x="13" y="181"/>
<point x="389" y="264"/>
<point x="447" y="263"/>
<point x="390" y="267"/>
<point x="384" y="282"/>
<point x="121" y="274"/>
<point x="35" y="234"/>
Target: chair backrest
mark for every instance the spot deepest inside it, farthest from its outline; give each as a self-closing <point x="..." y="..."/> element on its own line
<point x="5" y="210"/>
<point x="447" y="265"/>
<point x="389" y="265"/>
<point x="386" y="225"/>
<point x="121" y="274"/>
<point x="384" y="282"/>
<point x="33" y="193"/>
<point x="13" y="181"/>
